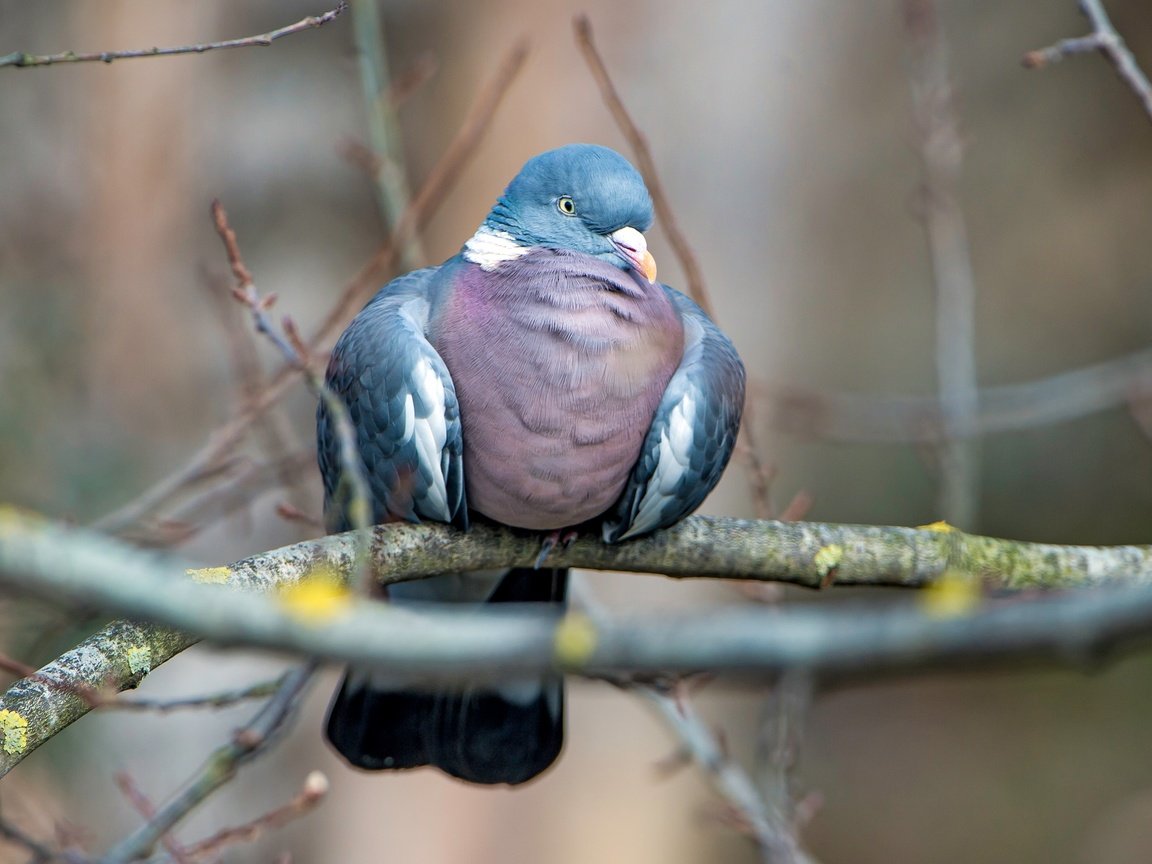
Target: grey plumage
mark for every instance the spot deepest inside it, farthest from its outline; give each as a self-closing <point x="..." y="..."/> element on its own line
<point x="541" y="379"/>
<point x="402" y="404"/>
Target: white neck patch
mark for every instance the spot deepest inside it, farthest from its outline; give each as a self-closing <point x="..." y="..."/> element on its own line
<point x="490" y="248"/>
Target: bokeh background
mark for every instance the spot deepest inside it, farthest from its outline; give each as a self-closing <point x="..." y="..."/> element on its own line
<point x="785" y="138"/>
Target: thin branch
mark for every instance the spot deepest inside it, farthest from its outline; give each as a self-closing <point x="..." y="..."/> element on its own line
<point x="638" y="141"/>
<point x="778" y="743"/>
<point x="144" y="807"/>
<point x="941" y="152"/>
<point x="891" y="419"/>
<point x="208" y="463"/>
<point x="20" y="670"/>
<point x="418" y="73"/>
<point x="221" y="443"/>
<point x="383" y="132"/>
<point x="770" y="828"/>
<point x="220" y="768"/>
<point x="23" y="60"/>
<point x="295" y="352"/>
<point x="41" y="853"/>
<point x="276" y="435"/>
<point x="764" y="821"/>
<point x="223" y="699"/>
<point x="443" y="176"/>
<point x="310" y="795"/>
<point x="1105" y="39"/>
<point x="747" y="449"/>
<point x="249" y="482"/>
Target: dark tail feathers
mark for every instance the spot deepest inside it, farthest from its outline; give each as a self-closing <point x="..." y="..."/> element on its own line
<point x="498" y="734"/>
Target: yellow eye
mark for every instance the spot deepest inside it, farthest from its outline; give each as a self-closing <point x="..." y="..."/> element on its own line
<point x="566" y="206"/>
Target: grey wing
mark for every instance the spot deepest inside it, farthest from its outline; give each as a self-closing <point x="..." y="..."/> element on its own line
<point x="692" y="433"/>
<point x="402" y="404"/>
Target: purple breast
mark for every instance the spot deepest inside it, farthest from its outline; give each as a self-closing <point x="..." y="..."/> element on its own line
<point x="559" y="362"/>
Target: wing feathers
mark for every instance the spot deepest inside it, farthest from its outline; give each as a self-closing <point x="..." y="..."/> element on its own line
<point x="403" y="406"/>
<point x="692" y="434"/>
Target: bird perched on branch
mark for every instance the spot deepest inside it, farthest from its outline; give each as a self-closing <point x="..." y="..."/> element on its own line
<point x="541" y="378"/>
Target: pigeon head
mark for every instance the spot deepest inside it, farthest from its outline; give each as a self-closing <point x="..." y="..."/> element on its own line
<point x="580" y="198"/>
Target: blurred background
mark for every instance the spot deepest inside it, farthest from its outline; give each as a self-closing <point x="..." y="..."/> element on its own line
<point x="785" y="136"/>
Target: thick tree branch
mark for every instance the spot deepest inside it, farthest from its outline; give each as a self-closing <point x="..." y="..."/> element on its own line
<point x="116" y="658"/>
<point x="21" y="59"/>
<point x="71" y="565"/>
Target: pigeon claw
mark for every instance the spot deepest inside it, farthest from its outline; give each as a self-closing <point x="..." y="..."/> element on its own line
<point x="559" y="537"/>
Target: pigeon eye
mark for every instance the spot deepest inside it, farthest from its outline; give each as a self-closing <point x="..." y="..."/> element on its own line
<point x="566" y="206"/>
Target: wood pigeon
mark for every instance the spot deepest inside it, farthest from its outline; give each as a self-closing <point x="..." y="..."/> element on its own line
<point x="542" y="379"/>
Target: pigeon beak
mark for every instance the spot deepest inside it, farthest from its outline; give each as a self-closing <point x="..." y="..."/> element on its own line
<point x="633" y="248"/>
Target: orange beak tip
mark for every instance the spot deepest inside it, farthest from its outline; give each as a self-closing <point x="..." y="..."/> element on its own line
<point x="648" y="267"/>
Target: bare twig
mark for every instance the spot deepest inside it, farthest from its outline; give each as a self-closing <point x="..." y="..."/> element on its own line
<point x="222" y="500"/>
<point x="144" y="807"/>
<point x="295" y="352"/>
<point x="639" y="143"/>
<point x="20" y="670"/>
<point x="763" y="821"/>
<point x="220" y="768"/>
<point x="882" y="418"/>
<point x="209" y="460"/>
<point x="383" y="134"/>
<point x="1105" y="39"/>
<point x="759" y="475"/>
<point x="277" y="438"/>
<point x="212" y="461"/>
<point x="401" y="89"/>
<point x="294" y="514"/>
<point x="941" y="153"/>
<point x="310" y="795"/>
<point x="440" y="180"/>
<point x="23" y="60"/>
<point x="223" y="699"/>
<point x="778" y="744"/>
<point x="40" y="853"/>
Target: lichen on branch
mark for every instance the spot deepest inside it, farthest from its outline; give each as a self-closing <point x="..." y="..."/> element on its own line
<point x="70" y="565"/>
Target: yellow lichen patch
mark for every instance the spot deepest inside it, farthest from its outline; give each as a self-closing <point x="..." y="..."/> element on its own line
<point x="211" y="575"/>
<point x="140" y="659"/>
<point x="955" y="593"/>
<point x="939" y="525"/>
<point x="13" y="732"/>
<point x="14" y="520"/>
<point x="575" y="639"/>
<point x="828" y="558"/>
<point x="317" y="597"/>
